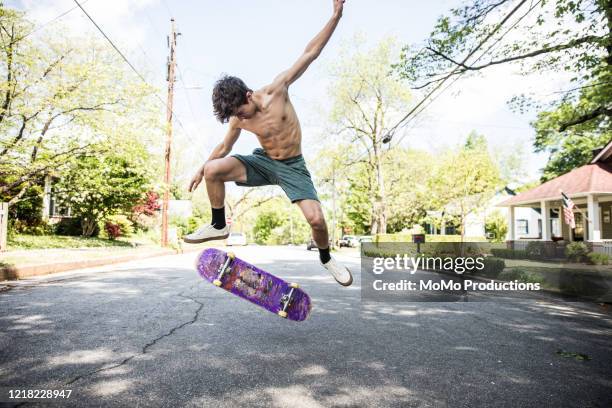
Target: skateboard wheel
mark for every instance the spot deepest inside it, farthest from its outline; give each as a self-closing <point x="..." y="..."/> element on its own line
<point x="217" y="282"/>
<point x="282" y="314"/>
<point x="294" y="285"/>
<point x="231" y="255"/>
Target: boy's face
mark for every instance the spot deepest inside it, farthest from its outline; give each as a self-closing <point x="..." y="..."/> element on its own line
<point x="247" y="110"/>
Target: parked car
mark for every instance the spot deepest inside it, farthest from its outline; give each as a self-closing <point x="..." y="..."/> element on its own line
<point x="366" y="238"/>
<point x="236" y="238"/>
<point x="348" y="241"/>
<point x="312" y="244"/>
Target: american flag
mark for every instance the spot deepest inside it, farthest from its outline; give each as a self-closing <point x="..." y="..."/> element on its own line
<point x="568" y="214"/>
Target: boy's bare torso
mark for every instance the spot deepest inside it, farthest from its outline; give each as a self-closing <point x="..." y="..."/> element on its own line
<point x="275" y="124"/>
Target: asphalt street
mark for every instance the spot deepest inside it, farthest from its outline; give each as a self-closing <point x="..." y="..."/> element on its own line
<point x="152" y="333"/>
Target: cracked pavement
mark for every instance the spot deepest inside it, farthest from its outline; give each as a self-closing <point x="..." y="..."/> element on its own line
<point x="152" y="333"/>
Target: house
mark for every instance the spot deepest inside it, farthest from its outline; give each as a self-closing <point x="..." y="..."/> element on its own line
<point x="475" y="221"/>
<point x="52" y="212"/>
<point x="589" y="187"/>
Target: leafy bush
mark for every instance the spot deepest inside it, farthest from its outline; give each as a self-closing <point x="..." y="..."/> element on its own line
<point x="37" y="228"/>
<point x="116" y="226"/>
<point x="509" y="253"/>
<point x="596" y="258"/>
<point x="535" y="250"/>
<point x="496" y="225"/>
<point x="69" y="226"/>
<point x="492" y="267"/>
<point x="576" y="251"/>
<point x="521" y="276"/>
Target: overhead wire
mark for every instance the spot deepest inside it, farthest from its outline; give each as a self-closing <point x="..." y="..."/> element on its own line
<point x="41" y="26"/>
<point x="174" y="116"/>
<point x="389" y="134"/>
<point x="485" y="52"/>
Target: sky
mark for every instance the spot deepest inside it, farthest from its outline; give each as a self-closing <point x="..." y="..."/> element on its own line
<point x="256" y="40"/>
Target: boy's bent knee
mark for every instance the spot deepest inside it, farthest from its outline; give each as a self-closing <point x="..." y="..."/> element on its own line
<point x="211" y="171"/>
<point x="317" y="222"/>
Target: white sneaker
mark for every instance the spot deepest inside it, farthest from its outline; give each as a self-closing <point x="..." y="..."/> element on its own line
<point x="340" y="272"/>
<point x="206" y="233"/>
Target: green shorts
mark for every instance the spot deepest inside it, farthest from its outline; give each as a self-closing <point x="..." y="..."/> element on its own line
<point x="290" y="174"/>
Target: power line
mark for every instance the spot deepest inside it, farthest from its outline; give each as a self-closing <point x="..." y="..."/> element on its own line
<point x="113" y="45"/>
<point x="174" y="116"/>
<point x="389" y="134"/>
<point x="485" y="52"/>
<point x="421" y="106"/>
<point x="40" y="27"/>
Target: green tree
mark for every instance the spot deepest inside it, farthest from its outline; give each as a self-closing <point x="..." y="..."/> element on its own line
<point x="573" y="146"/>
<point x="537" y="37"/>
<point x="496" y="225"/>
<point x="464" y="181"/>
<point x="407" y="172"/>
<point x="61" y="98"/>
<point x="266" y="222"/>
<point x="95" y="187"/>
<point x="366" y="100"/>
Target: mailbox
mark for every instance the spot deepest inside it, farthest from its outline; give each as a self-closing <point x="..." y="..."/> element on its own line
<point x="418" y="238"/>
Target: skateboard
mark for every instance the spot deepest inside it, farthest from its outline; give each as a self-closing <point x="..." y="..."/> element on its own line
<point x="225" y="270"/>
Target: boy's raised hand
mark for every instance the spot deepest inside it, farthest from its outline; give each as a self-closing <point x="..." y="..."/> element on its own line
<point x="338" y="6"/>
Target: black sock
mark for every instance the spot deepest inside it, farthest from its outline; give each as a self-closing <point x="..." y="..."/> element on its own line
<point x="324" y="255"/>
<point x="218" y="217"/>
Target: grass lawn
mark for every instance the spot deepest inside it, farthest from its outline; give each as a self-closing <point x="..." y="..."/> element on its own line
<point x="18" y="242"/>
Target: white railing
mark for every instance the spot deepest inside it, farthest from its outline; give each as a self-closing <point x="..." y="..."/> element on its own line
<point x="603" y="247"/>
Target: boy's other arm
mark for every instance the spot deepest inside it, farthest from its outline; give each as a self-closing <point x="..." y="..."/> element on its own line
<point x="221" y="150"/>
<point x="312" y="51"/>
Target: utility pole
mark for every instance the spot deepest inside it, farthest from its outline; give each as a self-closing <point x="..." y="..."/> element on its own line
<point x="170" y="78"/>
<point x="333" y="237"/>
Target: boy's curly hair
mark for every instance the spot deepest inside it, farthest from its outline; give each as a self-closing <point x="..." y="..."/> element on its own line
<point x="228" y="94"/>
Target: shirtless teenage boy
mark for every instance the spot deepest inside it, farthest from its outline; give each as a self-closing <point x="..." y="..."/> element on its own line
<point x="269" y="114"/>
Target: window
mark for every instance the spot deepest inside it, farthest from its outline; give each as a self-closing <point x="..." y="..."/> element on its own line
<point x="57" y="211"/>
<point x="522" y="227"/>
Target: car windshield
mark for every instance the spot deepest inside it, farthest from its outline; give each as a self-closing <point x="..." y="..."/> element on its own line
<point x="236" y="234"/>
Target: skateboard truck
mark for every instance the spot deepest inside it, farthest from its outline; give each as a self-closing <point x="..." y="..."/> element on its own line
<point x="224" y="268"/>
<point x="286" y="300"/>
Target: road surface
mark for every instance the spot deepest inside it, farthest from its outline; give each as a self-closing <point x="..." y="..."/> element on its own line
<point x="152" y="333"/>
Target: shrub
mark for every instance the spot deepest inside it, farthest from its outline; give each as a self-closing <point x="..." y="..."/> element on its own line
<point x="492" y="267"/>
<point x="521" y="276"/>
<point x="596" y="258"/>
<point x="69" y="226"/>
<point x="116" y="226"/>
<point x="509" y="253"/>
<point x="38" y="228"/>
<point x="534" y="250"/>
<point x="497" y="226"/>
<point x="576" y="251"/>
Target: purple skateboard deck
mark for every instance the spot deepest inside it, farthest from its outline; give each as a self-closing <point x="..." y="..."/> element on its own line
<point x="253" y="284"/>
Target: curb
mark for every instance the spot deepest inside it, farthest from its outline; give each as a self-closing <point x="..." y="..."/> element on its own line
<point x="21" y="272"/>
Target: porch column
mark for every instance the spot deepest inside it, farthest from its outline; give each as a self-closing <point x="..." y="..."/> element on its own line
<point x="511" y="226"/>
<point x="545" y="211"/>
<point x="593" y="215"/>
<point x="46" y="198"/>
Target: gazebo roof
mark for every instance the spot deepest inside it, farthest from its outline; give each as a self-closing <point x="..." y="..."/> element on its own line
<point x="588" y="179"/>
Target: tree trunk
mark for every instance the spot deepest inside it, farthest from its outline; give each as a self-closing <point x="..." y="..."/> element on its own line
<point x="380" y="205"/>
<point x="88" y="225"/>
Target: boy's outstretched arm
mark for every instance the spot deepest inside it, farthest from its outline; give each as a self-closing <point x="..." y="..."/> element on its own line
<point x="313" y="49"/>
